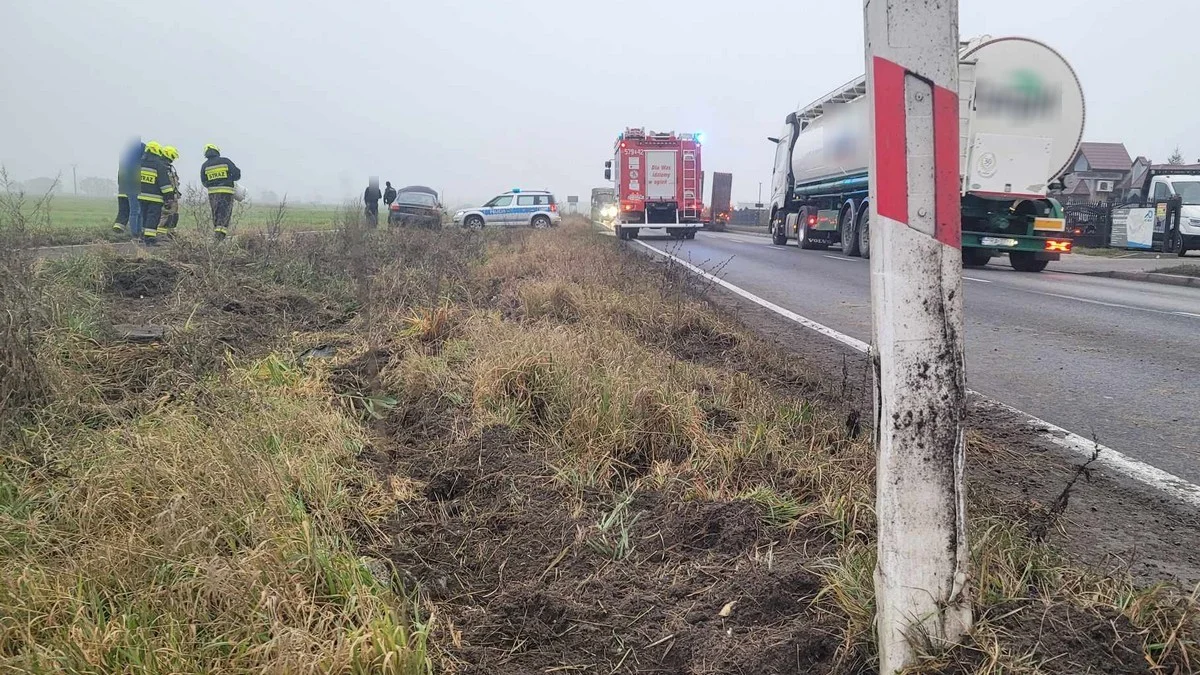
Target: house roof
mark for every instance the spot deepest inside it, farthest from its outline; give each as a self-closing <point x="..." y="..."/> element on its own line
<point x="1106" y="156"/>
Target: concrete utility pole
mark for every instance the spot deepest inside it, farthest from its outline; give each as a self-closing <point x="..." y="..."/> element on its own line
<point x="916" y="298"/>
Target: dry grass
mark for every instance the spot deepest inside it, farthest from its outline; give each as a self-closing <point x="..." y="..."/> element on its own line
<point x="202" y="503"/>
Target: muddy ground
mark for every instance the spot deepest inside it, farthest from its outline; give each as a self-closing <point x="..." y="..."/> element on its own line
<point x="508" y="557"/>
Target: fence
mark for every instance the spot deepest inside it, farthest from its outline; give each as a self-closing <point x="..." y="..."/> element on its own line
<point x="1090" y="224"/>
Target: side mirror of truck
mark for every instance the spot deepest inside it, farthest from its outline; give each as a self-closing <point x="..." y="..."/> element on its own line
<point x="608" y="164"/>
<point x="773" y="139"/>
<point x="608" y="174"/>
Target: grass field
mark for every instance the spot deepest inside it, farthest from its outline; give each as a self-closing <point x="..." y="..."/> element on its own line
<point x="64" y="220"/>
<point x="417" y="452"/>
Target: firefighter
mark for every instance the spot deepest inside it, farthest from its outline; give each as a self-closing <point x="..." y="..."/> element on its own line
<point x="219" y="175"/>
<point x="171" y="206"/>
<point x="156" y="188"/>
<point x="128" y="187"/>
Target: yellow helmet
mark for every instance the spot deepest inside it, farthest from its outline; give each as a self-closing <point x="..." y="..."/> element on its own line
<point x="154" y="148"/>
<point x="211" y="147"/>
<point x="170" y="153"/>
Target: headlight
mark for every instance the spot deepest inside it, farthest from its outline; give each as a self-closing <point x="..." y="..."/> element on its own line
<point x="609" y="210"/>
<point x="458" y="214"/>
<point x="1194" y="222"/>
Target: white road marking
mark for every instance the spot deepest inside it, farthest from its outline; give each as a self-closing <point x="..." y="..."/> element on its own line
<point x="982" y="281"/>
<point x="1117" y="305"/>
<point x="841" y="258"/>
<point x="1187" y="314"/>
<point x="1167" y="483"/>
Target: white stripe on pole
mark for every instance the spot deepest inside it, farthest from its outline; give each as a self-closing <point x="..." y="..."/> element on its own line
<point x="916" y="299"/>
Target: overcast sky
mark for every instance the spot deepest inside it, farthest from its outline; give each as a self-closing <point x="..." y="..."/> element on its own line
<point x="475" y="96"/>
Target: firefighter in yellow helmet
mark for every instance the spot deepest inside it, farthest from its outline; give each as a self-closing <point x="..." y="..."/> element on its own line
<point x="156" y="189"/>
<point x="219" y="176"/>
<point x="170" y="217"/>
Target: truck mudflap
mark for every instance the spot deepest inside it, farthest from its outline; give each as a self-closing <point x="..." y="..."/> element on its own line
<point x="1046" y="247"/>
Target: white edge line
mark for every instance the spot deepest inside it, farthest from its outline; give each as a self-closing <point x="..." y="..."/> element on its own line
<point x="1168" y="483"/>
<point x="807" y="323"/>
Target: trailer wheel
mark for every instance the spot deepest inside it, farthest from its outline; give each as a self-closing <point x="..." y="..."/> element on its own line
<point x="864" y="233"/>
<point x="975" y="257"/>
<point x="849" y="234"/>
<point x="778" y="233"/>
<point x="1024" y="261"/>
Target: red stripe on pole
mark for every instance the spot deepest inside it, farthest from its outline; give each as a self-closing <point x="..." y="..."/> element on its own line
<point x="891" y="152"/>
<point x="947" y="207"/>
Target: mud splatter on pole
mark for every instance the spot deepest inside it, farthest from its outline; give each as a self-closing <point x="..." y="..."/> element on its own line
<point x="916" y="297"/>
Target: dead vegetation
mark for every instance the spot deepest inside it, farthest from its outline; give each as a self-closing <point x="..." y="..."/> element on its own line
<point x="434" y="451"/>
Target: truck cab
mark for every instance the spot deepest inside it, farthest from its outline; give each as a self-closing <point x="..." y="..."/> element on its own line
<point x="1174" y="192"/>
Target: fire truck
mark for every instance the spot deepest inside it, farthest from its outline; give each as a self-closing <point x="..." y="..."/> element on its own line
<point x="658" y="183"/>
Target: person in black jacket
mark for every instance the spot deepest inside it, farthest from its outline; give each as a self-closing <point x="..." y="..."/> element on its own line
<point x="220" y="176"/>
<point x="371" y="199"/>
<point x="389" y="195"/>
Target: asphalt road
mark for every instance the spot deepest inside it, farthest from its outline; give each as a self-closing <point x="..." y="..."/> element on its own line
<point x="1105" y="358"/>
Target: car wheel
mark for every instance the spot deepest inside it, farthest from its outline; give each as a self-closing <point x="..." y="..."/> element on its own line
<point x="849" y="236"/>
<point x="540" y="222"/>
<point x="474" y="222"/>
<point x="864" y="233"/>
<point x="1180" y="247"/>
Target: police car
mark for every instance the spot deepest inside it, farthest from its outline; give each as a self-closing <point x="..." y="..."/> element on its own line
<point x="517" y="207"/>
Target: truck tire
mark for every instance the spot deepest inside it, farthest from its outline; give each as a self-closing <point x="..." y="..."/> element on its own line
<point x="975" y="257"/>
<point x="473" y="222"/>
<point x="778" y="233"/>
<point x="1178" y="245"/>
<point x="1024" y="261"/>
<point x="633" y="232"/>
<point x="622" y="233"/>
<point x="540" y="222"/>
<point x="690" y="234"/>
<point x="849" y="234"/>
<point x="864" y="233"/>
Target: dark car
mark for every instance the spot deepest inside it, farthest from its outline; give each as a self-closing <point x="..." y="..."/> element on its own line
<point x="416" y="205"/>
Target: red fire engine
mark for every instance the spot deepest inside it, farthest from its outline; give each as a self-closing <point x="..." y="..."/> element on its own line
<point x="658" y="182"/>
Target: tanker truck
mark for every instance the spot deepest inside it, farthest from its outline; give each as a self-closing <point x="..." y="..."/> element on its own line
<point x="1021" y="115"/>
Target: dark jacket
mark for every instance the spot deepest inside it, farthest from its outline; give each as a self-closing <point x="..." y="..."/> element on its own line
<point x="389" y="195"/>
<point x="128" y="182"/>
<point x="219" y="174"/>
<point x="155" y="179"/>
<point x="371" y="195"/>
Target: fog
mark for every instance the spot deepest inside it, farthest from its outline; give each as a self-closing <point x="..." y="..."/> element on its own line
<point x="472" y="97"/>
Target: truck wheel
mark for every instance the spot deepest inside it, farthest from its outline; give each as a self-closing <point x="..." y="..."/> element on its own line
<point x="690" y="234"/>
<point x="849" y="235"/>
<point x="633" y="232"/>
<point x="864" y="233"/>
<point x="1024" y="261"/>
<point x="1177" y="244"/>
<point x="778" y="233"/>
<point x="976" y="257"/>
<point x="540" y="222"/>
<point x="474" y="222"/>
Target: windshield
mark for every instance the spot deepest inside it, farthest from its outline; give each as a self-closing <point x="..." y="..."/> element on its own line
<point x="1189" y="190"/>
<point x="416" y="199"/>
